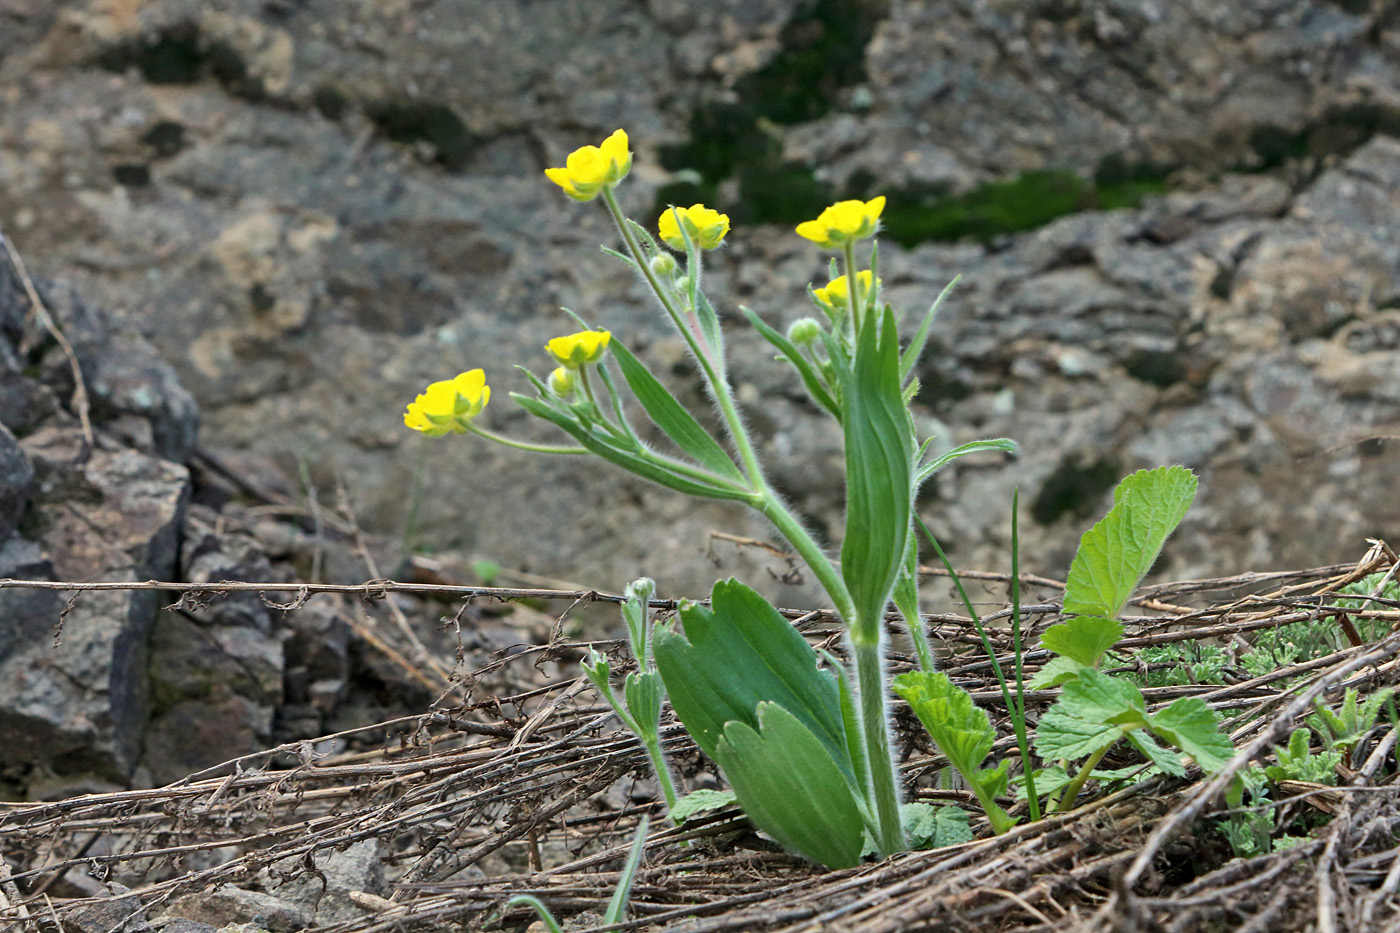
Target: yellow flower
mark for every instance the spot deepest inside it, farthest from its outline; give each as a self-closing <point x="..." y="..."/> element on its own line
<point x="578" y="350"/>
<point x="448" y="406"/>
<point x="589" y="170"/>
<point x="837" y="293"/>
<point x="843" y="221"/>
<point x="706" y="227"/>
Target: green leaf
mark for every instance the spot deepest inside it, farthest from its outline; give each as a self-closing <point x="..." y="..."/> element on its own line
<point x="1091" y="714"/>
<point x="643" y="694"/>
<point x="879" y="474"/>
<point x="737" y="654"/>
<point x="1082" y="638"/>
<point x="920" y="339"/>
<point x="816" y="387"/>
<point x="930" y="827"/>
<point x="791" y="789"/>
<point x="962" y="731"/>
<point x="1057" y="671"/>
<point x="628" y="459"/>
<point x="1169" y="761"/>
<point x="701" y="801"/>
<point x="672" y="418"/>
<point x="1190" y="725"/>
<point x="1116" y="553"/>
<point x="1005" y="445"/>
<point x="529" y="900"/>
<point x="617" y="907"/>
<point x="636" y="612"/>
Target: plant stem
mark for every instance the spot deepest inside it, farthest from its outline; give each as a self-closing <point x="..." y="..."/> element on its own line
<point x="825" y="571"/>
<point x="1072" y="789"/>
<point x="523" y="445"/>
<point x="874" y="721"/>
<point x="1018" y="713"/>
<point x="663" y="771"/>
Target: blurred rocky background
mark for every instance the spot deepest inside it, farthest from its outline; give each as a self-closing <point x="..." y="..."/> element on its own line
<point x="265" y="226"/>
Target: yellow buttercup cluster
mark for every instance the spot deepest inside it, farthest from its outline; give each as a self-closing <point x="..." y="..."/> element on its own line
<point x="837" y="293"/>
<point x="578" y="350"/>
<point x="449" y="406"/>
<point x="705" y="226"/>
<point x="589" y="170"/>
<point x="843" y="222"/>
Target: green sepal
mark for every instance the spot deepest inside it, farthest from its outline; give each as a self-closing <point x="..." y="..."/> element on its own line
<point x="1002" y="444"/>
<point x="879" y="475"/>
<point x="811" y="379"/>
<point x="672" y="418"/>
<point x="1116" y="553"/>
<point x="1083" y="638"/>
<point x="741" y="652"/>
<point x="636" y="612"/>
<point x="790" y="787"/>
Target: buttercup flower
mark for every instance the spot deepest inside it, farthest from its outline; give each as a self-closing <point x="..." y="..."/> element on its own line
<point x="578" y="350"/>
<point x="837" y="293"/>
<point x="706" y="227"/>
<point x="590" y="169"/>
<point x="448" y="406"/>
<point x="843" y="221"/>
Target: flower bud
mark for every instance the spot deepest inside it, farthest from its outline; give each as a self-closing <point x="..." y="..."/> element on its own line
<point x="561" y="382"/>
<point x="664" y="265"/>
<point x="804" y="330"/>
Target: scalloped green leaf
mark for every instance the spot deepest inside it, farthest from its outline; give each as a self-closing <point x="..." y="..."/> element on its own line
<point x="1116" y="553"/>
<point x="1190" y="725"/>
<point x="1083" y="638"/>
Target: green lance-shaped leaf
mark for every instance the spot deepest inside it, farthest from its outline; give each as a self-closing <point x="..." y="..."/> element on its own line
<point x="816" y="388"/>
<point x="920" y="339"/>
<point x="1190" y="725"/>
<point x="879" y="473"/>
<point x="790" y="788"/>
<point x="1083" y="638"/>
<point x="1001" y="444"/>
<point x="737" y="654"/>
<point x="655" y="469"/>
<point x="672" y="418"/>
<point x="1116" y="553"/>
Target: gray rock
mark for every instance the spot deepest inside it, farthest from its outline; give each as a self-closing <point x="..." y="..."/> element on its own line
<point x="361" y="211"/>
<point x="82" y="704"/>
<point x="16" y="476"/>
<point x="223" y="906"/>
<point x="27" y="616"/>
<point x="121" y="913"/>
<point x="359" y="867"/>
